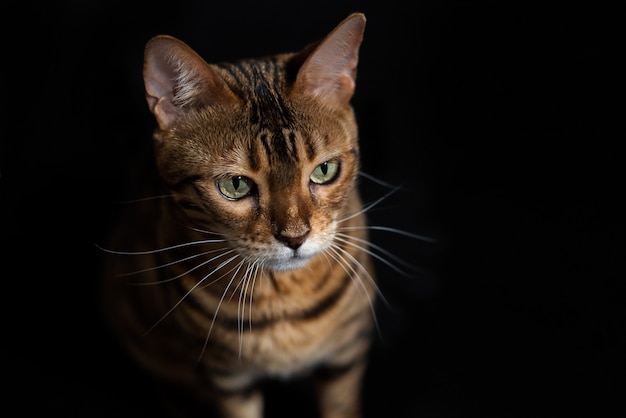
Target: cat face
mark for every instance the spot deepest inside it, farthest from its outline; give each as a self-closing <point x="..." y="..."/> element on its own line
<point x="275" y="191"/>
<point x="261" y="151"/>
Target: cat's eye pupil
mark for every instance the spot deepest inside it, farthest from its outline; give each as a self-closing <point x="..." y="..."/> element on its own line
<point x="235" y="187"/>
<point x="325" y="172"/>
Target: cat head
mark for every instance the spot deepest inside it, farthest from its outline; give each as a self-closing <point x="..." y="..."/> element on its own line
<point x="262" y="151"/>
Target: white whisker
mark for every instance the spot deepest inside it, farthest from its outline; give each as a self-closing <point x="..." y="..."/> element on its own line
<point x="144" y="199"/>
<point x="376" y="180"/>
<point x="241" y="304"/>
<point x="337" y="253"/>
<point x="203" y="231"/>
<point x="222" y="264"/>
<point x="160" y="250"/>
<point x="389" y="229"/>
<point x="191" y="257"/>
<point x="217" y="279"/>
<point x="257" y="264"/>
<point x="369" y="206"/>
<point x="346" y="239"/>
<point x="360" y="266"/>
<point x="183" y="273"/>
<point x="217" y="308"/>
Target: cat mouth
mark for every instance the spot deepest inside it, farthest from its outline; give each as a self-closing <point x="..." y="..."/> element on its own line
<point x="295" y="261"/>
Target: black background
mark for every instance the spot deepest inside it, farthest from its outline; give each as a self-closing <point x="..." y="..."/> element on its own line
<point x="500" y="120"/>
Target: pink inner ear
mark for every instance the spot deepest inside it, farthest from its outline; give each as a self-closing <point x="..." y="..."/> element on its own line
<point x="329" y="73"/>
<point x="159" y="81"/>
<point x="176" y="76"/>
<point x="165" y="113"/>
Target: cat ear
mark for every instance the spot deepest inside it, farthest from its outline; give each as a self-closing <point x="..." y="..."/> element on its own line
<point x="176" y="77"/>
<point x="329" y="72"/>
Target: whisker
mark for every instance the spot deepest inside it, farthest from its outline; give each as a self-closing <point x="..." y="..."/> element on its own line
<point x="369" y="206"/>
<point x="241" y="304"/>
<point x="217" y="308"/>
<point x="144" y="199"/>
<point x="245" y="260"/>
<point x="191" y="257"/>
<point x="160" y="250"/>
<point x="376" y="180"/>
<point x="181" y="274"/>
<point x="355" y="277"/>
<point x="203" y="231"/>
<point x="221" y="277"/>
<point x="390" y="229"/>
<point x="346" y="239"/>
<point x="362" y="269"/>
<point x="257" y="264"/>
<point x="189" y="292"/>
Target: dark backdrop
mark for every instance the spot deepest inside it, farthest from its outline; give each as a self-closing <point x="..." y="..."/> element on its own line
<point x="499" y="120"/>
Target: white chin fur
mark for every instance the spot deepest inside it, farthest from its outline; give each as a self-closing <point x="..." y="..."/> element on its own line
<point x="285" y="264"/>
<point x="287" y="259"/>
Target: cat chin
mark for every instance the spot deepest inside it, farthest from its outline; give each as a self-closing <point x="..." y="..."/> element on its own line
<point x="287" y="264"/>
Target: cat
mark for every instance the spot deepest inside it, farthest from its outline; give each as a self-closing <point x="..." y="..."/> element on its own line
<point x="254" y="263"/>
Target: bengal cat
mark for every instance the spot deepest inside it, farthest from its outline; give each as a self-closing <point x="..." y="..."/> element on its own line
<point x="253" y="264"/>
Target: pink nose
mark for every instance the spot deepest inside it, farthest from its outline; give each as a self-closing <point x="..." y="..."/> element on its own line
<point x="293" y="242"/>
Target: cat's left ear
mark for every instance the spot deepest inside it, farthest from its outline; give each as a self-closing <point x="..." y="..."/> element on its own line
<point x="329" y="71"/>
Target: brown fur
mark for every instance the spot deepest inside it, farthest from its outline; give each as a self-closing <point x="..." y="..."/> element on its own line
<point x="229" y="307"/>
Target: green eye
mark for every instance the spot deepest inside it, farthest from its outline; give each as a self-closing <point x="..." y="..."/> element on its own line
<point x="235" y="187"/>
<point x="325" y="172"/>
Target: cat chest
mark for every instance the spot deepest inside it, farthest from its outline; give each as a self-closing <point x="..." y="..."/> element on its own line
<point x="285" y="351"/>
<point x="289" y="347"/>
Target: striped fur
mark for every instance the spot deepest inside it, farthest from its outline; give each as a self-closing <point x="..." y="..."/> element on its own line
<point x="216" y="293"/>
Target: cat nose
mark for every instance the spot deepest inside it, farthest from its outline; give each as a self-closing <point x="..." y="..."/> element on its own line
<point x="292" y="241"/>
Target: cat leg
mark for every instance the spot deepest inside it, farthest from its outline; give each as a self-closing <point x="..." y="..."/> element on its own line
<point x="237" y="396"/>
<point x="243" y="405"/>
<point x="339" y="390"/>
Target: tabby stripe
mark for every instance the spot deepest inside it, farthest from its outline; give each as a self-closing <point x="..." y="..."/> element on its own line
<point x="309" y="314"/>
<point x="310" y="147"/>
<point x="226" y="354"/>
<point x="266" y="145"/>
<point x="267" y="109"/>
<point x="231" y="69"/>
<point x="259" y="324"/>
<point x="270" y="68"/>
<point x="291" y="146"/>
<point x="253" y="157"/>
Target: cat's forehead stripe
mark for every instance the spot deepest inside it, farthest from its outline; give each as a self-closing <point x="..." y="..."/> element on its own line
<point x="253" y="157"/>
<point x="261" y="82"/>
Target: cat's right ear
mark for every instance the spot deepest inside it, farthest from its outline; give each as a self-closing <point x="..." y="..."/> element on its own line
<point x="177" y="78"/>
